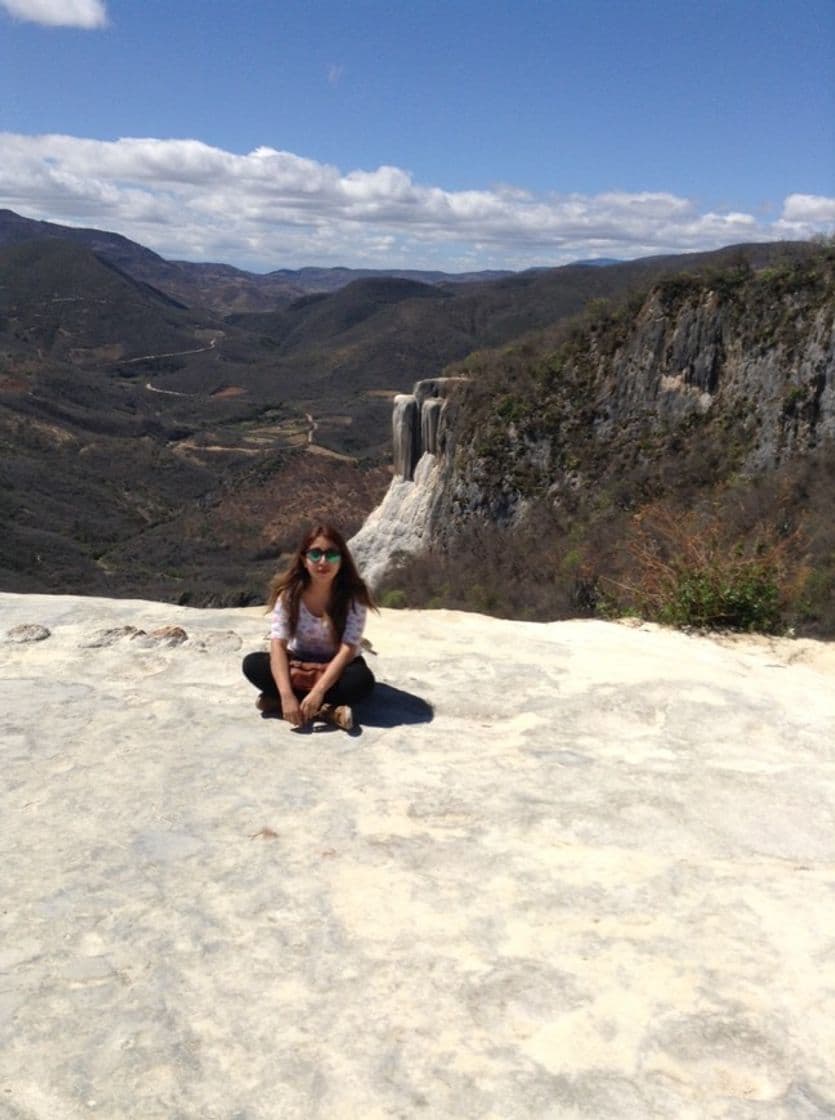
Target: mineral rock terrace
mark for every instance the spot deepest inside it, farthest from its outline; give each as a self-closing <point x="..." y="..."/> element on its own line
<point x="568" y="870"/>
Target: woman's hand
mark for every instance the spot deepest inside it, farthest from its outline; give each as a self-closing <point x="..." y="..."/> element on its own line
<point x="291" y="709"/>
<point x="280" y="669"/>
<point x="311" y="703"/>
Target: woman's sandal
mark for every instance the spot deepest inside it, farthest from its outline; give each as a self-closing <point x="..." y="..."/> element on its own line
<point x="340" y="716"/>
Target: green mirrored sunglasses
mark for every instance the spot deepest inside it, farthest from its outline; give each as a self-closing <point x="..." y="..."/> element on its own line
<point x="332" y="555"/>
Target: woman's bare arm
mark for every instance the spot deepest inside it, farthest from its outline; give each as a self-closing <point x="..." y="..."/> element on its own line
<point x="280" y="669"/>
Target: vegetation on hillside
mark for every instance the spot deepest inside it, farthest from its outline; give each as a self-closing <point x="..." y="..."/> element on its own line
<point x="156" y="449"/>
<point x="702" y="507"/>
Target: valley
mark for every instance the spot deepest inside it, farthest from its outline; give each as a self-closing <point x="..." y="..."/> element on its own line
<point x="171" y="450"/>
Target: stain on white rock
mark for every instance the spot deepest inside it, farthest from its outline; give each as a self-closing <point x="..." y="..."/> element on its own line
<point x="27" y="632"/>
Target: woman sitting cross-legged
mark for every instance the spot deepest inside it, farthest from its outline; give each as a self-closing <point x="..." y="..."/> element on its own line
<point x="319" y="606"/>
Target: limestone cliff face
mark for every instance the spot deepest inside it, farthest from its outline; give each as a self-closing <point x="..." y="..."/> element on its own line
<point x="738" y="370"/>
<point x="769" y="368"/>
<point x="739" y="367"/>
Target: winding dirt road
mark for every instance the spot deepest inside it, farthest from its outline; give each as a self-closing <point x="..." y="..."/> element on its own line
<point x="173" y="354"/>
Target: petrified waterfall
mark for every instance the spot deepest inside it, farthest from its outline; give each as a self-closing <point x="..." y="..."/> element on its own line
<point x="431" y="411"/>
<point x="405" y="436"/>
<point x="402" y="521"/>
<point x="417" y="427"/>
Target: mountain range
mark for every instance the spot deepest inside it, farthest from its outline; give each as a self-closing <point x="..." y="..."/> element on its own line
<point x="217" y="287"/>
<point x="162" y="436"/>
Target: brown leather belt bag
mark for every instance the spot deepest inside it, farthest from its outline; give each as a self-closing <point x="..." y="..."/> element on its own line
<point x="304" y="675"/>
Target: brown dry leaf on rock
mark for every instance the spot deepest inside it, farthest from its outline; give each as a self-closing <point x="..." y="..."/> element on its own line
<point x="265" y="833"/>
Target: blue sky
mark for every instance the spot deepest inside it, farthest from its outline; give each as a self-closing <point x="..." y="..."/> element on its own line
<point x="421" y="133"/>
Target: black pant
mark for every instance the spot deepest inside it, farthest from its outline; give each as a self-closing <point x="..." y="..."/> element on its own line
<point x="355" y="684"/>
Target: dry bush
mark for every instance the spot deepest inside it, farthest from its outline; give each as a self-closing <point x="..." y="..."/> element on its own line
<point x="528" y="572"/>
<point x="695" y="568"/>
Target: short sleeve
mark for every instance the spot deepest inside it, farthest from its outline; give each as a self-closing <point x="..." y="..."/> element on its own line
<point x="280" y="624"/>
<point x="354" y="624"/>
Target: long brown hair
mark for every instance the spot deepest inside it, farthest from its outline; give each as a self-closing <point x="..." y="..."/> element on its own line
<point x="348" y="585"/>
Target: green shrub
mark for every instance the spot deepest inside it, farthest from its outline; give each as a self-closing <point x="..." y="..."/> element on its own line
<point x="816" y="609"/>
<point x="511" y="409"/>
<point x="395" y="598"/>
<point x="742" y="597"/>
<point x="688" y="572"/>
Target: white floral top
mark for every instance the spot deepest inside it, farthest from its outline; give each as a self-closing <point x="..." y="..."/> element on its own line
<point x="313" y="636"/>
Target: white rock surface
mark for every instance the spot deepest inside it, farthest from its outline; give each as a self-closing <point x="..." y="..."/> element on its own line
<point x="401" y="522"/>
<point x="597" y="882"/>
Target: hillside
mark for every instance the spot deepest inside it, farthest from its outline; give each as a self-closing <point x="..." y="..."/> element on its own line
<point x="645" y="449"/>
<point x="219" y="288"/>
<point x="62" y="304"/>
<point x="152" y="448"/>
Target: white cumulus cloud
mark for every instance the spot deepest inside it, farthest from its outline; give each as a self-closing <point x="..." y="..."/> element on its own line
<point x="268" y="209"/>
<point x="59" y="13"/>
<point x="808" y="208"/>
